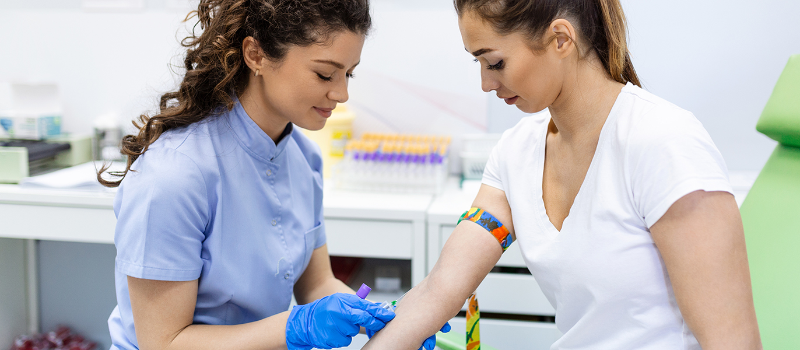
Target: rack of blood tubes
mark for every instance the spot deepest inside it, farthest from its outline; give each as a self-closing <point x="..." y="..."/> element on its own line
<point x="394" y="163"/>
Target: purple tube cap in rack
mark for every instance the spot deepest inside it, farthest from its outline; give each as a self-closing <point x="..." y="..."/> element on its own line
<point x="363" y="291"/>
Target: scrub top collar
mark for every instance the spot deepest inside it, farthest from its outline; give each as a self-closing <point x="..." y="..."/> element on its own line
<point x="254" y="140"/>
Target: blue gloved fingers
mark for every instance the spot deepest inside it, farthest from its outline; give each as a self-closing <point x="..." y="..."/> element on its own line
<point x="429" y="343"/>
<point x="338" y="342"/>
<point x="380" y="313"/>
<point x="373" y="309"/>
<point x="366" y="320"/>
<point x="370" y="333"/>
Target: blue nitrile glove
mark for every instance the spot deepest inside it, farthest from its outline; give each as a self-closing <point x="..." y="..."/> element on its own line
<point x="429" y="343"/>
<point x="331" y="322"/>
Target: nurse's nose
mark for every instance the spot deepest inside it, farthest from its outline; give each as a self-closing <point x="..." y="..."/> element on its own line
<point x="488" y="83"/>
<point x="339" y="92"/>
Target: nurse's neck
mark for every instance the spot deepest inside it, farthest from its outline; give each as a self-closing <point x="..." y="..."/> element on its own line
<point x="262" y="113"/>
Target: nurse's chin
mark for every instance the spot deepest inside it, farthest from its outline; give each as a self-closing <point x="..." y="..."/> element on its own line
<point x="312" y="125"/>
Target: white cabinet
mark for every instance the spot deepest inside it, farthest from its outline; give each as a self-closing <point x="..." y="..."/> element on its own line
<point x="13" y="290"/>
<point x="370" y="238"/>
<point x="378" y="225"/>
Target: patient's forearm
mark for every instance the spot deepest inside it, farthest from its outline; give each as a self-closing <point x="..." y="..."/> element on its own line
<point x="466" y="259"/>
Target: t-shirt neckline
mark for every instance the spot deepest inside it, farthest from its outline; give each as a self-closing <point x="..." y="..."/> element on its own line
<point x="544" y="219"/>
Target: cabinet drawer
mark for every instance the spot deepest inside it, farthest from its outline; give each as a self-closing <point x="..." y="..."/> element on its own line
<point x="510" y="335"/>
<point x="369" y="238"/>
<point x="73" y="224"/>
<point x="512" y="294"/>
<point x="512" y="257"/>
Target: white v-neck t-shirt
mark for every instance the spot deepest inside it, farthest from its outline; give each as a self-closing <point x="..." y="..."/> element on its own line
<point x="602" y="272"/>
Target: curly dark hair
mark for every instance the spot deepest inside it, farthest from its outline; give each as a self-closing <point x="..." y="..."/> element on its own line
<point x="214" y="60"/>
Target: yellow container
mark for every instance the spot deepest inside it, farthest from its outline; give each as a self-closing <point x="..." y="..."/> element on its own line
<point x="333" y="137"/>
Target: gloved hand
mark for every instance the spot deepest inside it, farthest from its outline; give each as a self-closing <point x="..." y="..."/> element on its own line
<point x="331" y="322"/>
<point x="429" y="343"/>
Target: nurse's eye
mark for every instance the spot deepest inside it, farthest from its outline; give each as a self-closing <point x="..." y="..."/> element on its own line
<point x="324" y="78"/>
<point x="350" y="75"/>
<point x="496" y="66"/>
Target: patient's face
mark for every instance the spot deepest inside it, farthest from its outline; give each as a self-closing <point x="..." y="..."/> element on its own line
<point x="530" y="80"/>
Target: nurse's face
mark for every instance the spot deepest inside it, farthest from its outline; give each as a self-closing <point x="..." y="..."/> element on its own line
<point x="305" y="86"/>
<point x="529" y="80"/>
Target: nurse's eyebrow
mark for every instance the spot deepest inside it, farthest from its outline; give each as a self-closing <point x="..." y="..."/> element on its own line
<point x="479" y="52"/>
<point x="334" y="63"/>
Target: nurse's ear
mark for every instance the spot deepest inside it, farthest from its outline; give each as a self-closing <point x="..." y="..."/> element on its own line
<point x="253" y="56"/>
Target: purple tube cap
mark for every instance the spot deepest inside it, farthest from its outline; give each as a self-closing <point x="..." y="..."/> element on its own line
<point x="363" y="291"/>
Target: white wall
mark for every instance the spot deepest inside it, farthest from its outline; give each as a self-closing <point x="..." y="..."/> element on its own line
<point x="718" y="59"/>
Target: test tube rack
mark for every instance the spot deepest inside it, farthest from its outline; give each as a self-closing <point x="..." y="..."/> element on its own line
<point x="394" y="163"/>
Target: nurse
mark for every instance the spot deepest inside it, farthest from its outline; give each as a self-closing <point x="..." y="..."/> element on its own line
<point x="220" y="210"/>
<point x="619" y="200"/>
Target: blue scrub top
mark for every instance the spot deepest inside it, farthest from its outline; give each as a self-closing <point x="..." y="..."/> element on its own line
<point x="218" y="200"/>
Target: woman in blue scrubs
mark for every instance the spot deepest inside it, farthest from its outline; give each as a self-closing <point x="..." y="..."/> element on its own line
<point x="220" y="209"/>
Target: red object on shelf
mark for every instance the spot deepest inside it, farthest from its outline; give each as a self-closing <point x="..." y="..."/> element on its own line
<point x="60" y="339"/>
<point x="345" y="267"/>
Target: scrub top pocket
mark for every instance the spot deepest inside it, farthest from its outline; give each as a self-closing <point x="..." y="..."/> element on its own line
<point x="311" y="243"/>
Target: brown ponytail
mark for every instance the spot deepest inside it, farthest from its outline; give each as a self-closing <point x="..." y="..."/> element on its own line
<point x="214" y="62"/>
<point x="601" y="24"/>
<point x="618" y="62"/>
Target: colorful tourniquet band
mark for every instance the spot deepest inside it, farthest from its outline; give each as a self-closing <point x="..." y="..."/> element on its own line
<point x="491" y="224"/>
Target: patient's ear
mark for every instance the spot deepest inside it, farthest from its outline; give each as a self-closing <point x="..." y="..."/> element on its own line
<point x="564" y="33"/>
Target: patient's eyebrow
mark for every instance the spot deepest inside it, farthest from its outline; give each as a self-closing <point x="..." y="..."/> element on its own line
<point x="336" y="64"/>
<point x="332" y="63"/>
<point x="480" y="52"/>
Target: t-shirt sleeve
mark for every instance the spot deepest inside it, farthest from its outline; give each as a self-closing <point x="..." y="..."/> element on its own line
<point x="162" y="212"/>
<point x="672" y="156"/>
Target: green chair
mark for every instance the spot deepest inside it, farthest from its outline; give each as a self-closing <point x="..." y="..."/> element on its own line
<point x="457" y="341"/>
<point x="771" y="216"/>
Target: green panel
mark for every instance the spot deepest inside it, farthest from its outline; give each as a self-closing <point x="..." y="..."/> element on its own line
<point x="771" y="216"/>
<point x="780" y="119"/>
<point x="13" y="164"/>
<point x="455" y="341"/>
<point x="80" y="150"/>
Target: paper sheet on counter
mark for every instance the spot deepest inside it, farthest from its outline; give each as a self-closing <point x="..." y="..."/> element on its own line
<point x="79" y="177"/>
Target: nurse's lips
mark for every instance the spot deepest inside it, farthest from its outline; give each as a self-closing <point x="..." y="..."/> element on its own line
<point x="324" y="112"/>
<point x="510" y="100"/>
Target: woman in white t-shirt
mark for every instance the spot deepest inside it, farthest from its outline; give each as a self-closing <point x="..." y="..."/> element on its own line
<point x="619" y="200"/>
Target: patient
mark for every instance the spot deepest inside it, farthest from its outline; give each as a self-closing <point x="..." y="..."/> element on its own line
<point x="619" y="200"/>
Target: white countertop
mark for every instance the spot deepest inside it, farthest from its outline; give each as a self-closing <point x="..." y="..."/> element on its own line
<point x="32" y="207"/>
<point x="15" y="194"/>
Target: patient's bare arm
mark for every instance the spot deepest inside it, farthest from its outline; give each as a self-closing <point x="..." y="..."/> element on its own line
<point x="468" y="256"/>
